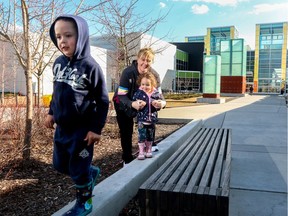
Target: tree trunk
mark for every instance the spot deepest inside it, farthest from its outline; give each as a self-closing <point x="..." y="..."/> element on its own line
<point x="3" y="75"/>
<point x="38" y="90"/>
<point x="29" y="116"/>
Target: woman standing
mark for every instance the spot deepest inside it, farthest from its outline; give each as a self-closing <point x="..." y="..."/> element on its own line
<point x="126" y="109"/>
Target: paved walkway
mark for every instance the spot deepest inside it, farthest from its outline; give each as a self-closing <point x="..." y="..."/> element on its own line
<point x="259" y="150"/>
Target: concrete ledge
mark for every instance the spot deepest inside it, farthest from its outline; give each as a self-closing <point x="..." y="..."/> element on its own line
<point x="232" y="94"/>
<point x="113" y="194"/>
<point x="211" y="100"/>
<point x="173" y="121"/>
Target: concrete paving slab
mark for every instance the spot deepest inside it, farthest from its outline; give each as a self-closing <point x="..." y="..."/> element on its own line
<point x="261" y="135"/>
<point x="257" y="203"/>
<point x="260" y="148"/>
<point x="238" y="117"/>
<point x="259" y="171"/>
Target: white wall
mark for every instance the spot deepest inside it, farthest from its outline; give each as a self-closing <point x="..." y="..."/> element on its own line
<point x="167" y="82"/>
<point x="100" y="55"/>
<point x="47" y="82"/>
<point x="12" y="77"/>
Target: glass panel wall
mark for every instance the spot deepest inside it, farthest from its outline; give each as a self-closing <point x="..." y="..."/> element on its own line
<point x="181" y="60"/>
<point x="270" y="57"/>
<point x="188" y="81"/>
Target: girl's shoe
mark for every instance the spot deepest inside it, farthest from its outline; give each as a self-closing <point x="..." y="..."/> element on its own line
<point x="141" y="155"/>
<point x="148" y="149"/>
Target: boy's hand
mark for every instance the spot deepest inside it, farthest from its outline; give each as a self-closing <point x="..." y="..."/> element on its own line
<point x="49" y="121"/>
<point x="92" y="137"/>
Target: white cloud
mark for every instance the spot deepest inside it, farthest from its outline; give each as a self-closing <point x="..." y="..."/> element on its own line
<point x="218" y="2"/>
<point x="223" y="2"/>
<point x="162" y="4"/>
<point x="183" y="0"/>
<point x="199" y="9"/>
<point x="264" y="8"/>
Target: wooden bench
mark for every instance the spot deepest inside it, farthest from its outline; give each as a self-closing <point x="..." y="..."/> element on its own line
<point x="194" y="180"/>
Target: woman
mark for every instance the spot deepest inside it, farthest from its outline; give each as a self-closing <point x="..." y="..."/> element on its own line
<point x="126" y="109"/>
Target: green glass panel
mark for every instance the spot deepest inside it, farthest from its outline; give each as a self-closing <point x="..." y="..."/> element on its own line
<point x="225" y="58"/>
<point x="212" y="72"/>
<point x="236" y="70"/>
<point x="210" y="84"/>
<point x="225" y="46"/>
<point x="237" y="45"/>
<point x="237" y="57"/>
<point x="225" y="70"/>
<point x="210" y="65"/>
<point x="182" y="56"/>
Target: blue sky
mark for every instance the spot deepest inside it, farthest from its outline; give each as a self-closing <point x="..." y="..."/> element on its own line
<point x="193" y="17"/>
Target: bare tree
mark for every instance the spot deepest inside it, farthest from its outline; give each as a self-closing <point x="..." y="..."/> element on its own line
<point x="25" y="26"/>
<point x="123" y="29"/>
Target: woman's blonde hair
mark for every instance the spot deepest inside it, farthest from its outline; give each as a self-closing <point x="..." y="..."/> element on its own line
<point x="146" y="52"/>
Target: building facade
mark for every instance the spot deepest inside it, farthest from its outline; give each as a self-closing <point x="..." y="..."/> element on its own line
<point x="270" y="63"/>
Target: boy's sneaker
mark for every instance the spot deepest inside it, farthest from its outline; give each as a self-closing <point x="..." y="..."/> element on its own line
<point x="80" y="209"/>
<point x="83" y="205"/>
<point x="95" y="172"/>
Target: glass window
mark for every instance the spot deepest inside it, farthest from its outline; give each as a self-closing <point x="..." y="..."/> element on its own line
<point x="225" y="46"/>
<point x="210" y="84"/>
<point x="225" y="70"/>
<point x="237" y="57"/>
<point x="225" y="58"/>
<point x="237" y="70"/>
<point x="237" y="45"/>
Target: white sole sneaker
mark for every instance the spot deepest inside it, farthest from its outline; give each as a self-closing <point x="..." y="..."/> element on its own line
<point x="155" y="148"/>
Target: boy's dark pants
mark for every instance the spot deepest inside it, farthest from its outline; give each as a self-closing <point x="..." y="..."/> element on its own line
<point x="71" y="154"/>
<point x="126" y="125"/>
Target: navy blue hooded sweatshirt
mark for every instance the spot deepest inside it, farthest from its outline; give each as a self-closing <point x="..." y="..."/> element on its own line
<point x="80" y="96"/>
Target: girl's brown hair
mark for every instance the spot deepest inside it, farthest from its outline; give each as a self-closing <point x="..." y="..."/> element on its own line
<point x="147" y="75"/>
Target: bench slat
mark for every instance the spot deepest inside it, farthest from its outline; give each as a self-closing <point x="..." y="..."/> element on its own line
<point x="197" y="175"/>
<point x="170" y="171"/>
<point x="186" y="163"/>
<point x="208" y="174"/>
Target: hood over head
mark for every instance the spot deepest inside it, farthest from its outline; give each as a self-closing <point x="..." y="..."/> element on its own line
<point x="82" y="47"/>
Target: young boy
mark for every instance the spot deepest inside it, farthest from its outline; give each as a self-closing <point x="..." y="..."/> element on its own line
<point x="79" y="108"/>
<point x="147" y="117"/>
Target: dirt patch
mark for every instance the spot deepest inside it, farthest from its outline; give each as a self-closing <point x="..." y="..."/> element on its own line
<point x="34" y="188"/>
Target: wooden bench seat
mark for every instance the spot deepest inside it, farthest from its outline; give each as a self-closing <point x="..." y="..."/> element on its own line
<point x="194" y="180"/>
